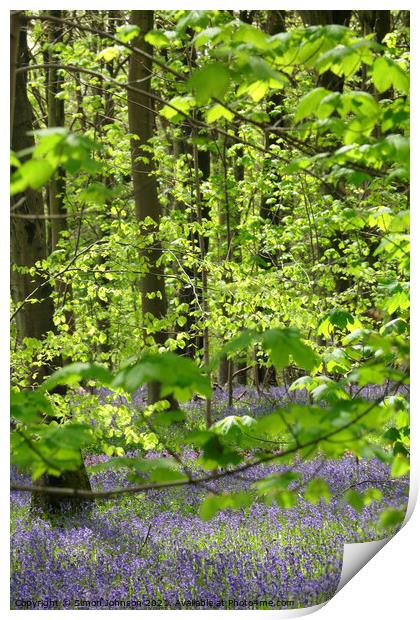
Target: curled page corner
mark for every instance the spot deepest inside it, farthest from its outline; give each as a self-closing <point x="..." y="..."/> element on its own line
<point x="356" y="556"/>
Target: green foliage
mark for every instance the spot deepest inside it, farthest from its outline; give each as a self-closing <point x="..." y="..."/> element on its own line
<point x="127" y="33"/>
<point x="337" y="318"/>
<point x="392" y="517"/>
<point x="280" y="344"/>
<point x="210" y="81"/>
<point x="56" y="147"/>
<point x="54" y="448"/>
<point x="400" y="466"/>
<point x="28" y="407"/>
<point x="75" y="373"/>
<point x="316" y="490"/>
<point x="386" y="73"/>
<point x="310" y="103"/>
<point x="177" y="376"/>
<point x="233" y="425"/>
<point x="283" y="237"/>
<point x="215" y="503"/>
<point x="355" y="499"/>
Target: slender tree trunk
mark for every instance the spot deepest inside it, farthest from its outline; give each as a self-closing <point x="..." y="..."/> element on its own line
<point x="271" y="216"/>
<point x="335" y="83"/>
<point x="28" y="245"/>
<point x="275" y="25"/>
<point x="148" y="207"/>
<point x="378" y="22"/>
<point x="55" y="119"/>
<point x="226" y="220"/>
<point x="204" y="287"/>
<point x="111" y="20"/>
<point x="239" y="371"/>
<point x="57" y="185"/>
<point x="14" y="45"/>
<point x="27" y="236"/>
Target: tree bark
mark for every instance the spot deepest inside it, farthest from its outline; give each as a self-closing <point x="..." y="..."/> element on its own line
<point x="378" y="22"/>
<point x="148" y="207"/>
<point x="111" y="20"/>
<point x="14" y="45"/>
<point x="27" y="236"/>
<point x="28" y="245"/>
<point x="55" y="119"/>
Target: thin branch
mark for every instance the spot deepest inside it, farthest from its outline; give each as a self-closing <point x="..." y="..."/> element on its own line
<point x="194" y="481"/>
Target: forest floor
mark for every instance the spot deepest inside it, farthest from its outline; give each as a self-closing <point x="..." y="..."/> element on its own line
<point x="154" y="551"/>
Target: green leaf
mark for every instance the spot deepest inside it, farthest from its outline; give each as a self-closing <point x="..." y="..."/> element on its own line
<point x="206" y="35"/>
<point x="177" y="375"/>
<point x="33" y="173"/>
<point x="396" y="326"/>
<point x="304" y="383"/>
<point x="28" y="406"/>
<point x="192" y="19"/>
<point x="218" y="111"/>
<point x="272" y="425"/>
<point x="400" y="466"/>
<point x="96" y="193"/>
<point x="127" y="32"/>
<point x="355" y="499"/>
<point x="337" y="361"/>
<point x="181" y="320"/>
<point x="240" y="342"/>
<point x="310" y="102"/>
<point x="275" y="482"/>
<point x="215" y="453"/>
<point x="74" y="373"/>
<point x="71" y="436"/>
<point x="392" y="434"/>
<point x="216" y="503"/>
<point x="316" y="490"/>
<point x="14" y="161"/>
<point x="157" y="38"/>
<point x="260" y="70"/>
<point x="210" y="81"/>
<point x="166" y="474"/>
<point x="386" y="73"/>
<point x="285" y="499"/>
<point x="110" y="53"/>
<point x="283" y="343"/>
<point x="329" y="390"/>
<point x="336" y="318"/>
<point x="372" y="495"/>
<point x="233" y="425"/>
<point x="178" y="106"/>
<point x="249" y="34"/>
<point x="166" y="418"/>
<point x="391" y="517"/>
<point x="257" y="90"/>
<point x="361" y="104"/>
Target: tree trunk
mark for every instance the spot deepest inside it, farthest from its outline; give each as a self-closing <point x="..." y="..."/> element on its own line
<point x="55" y="119"/>
<point x="28" y="245"/>
<point x="14" y="45"/>
<point x="148" y="207"/>
<point x="111" y="20"/>
<point x="378" y="22"/>
<point x="27" y="236"/>
<point x="57" y="185"/>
